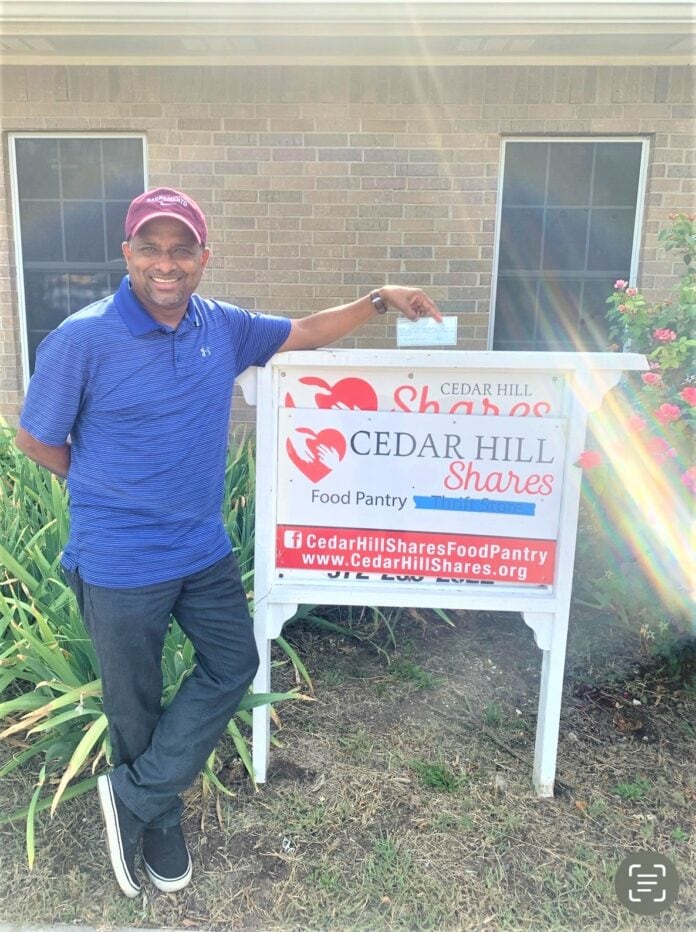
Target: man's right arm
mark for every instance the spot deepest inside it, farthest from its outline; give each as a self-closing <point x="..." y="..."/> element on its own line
<point x="54" y="458"/>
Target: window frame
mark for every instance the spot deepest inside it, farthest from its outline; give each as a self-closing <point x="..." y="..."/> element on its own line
<point x="16" y="226"/>
<point x="580" y="138"/>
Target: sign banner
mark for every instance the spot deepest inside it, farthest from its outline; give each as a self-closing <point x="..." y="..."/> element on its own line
<point x="475" y="498"/>
<point x="413" y="556"/>
<point x="427" y="391"/>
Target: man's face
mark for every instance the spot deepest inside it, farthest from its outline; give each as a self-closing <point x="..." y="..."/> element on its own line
<point x="165" y="264"/>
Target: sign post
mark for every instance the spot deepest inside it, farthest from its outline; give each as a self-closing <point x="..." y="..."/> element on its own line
<point x="441" y="479"/>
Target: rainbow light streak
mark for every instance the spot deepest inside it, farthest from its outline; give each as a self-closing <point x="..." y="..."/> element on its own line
<point x="660" y="534"/>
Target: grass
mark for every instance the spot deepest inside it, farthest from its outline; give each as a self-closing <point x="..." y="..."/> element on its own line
<point x="437" y="775"/>
<point x="359" y="744"/>
<point x="413" y="674"/>
<point x="633" y="790"/>
<point x="397" y="811"/>
<point x="493" y="715"/>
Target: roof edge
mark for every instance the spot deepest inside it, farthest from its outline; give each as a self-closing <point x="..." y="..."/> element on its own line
<point x="454" y="11"/>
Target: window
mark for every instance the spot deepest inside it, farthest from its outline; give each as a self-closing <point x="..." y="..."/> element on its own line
<point x="568" y="227"/>
<point x="71" y="197"/>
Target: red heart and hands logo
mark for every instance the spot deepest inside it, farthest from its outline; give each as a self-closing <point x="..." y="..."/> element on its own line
<point x="320" y="454"/>
<point x="349" y="394"/>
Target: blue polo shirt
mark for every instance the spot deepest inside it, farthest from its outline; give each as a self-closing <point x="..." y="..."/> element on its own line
<point x="147" y="409"/>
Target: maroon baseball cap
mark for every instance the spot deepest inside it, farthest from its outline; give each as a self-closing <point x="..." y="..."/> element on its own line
<point x="166" y="202"/>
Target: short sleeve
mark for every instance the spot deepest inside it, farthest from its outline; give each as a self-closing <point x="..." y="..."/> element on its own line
<point x="256" y="337"/>
<point x="55" y="390"/>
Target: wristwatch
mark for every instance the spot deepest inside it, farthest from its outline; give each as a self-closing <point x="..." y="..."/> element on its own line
<point x="378" y="303"/>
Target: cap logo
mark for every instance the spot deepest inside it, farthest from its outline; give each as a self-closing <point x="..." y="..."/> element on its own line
<point x="168" y="199"/>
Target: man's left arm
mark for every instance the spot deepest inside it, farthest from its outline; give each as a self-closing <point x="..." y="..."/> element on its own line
<point x="327" y="326"/>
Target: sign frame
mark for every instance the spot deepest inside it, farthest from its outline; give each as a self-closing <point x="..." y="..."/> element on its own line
<point x="545" y="609"/>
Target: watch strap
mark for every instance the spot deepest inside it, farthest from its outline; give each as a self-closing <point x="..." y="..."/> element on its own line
<point x="378" y="302"/>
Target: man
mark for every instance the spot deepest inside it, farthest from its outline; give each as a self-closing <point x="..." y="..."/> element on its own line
<point x="131" y="400"/>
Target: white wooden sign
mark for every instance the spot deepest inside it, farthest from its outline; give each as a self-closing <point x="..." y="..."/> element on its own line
<point x="427" y="479"/>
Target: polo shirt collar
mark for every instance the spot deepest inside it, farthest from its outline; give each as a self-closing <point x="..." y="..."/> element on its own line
<point x="134" y="315"/>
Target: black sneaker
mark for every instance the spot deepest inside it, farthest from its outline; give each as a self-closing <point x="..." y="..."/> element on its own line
<point x="166" y="858"/>
<point x="123" y="833"/>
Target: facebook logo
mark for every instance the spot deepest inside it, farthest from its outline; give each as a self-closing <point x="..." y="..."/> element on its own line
<point x="292" y="539"/>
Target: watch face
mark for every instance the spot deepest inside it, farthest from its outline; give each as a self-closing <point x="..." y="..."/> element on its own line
<point x="379" y="304"/>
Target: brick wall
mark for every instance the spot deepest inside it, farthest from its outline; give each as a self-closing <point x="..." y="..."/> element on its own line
<point x="321" y="183"/>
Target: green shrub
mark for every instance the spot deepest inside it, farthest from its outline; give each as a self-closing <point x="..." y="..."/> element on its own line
<point x="635" y="548"/>
<point x="50" y="691"/>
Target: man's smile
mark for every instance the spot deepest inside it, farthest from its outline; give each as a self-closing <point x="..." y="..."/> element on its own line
<point x="165" y="281"/>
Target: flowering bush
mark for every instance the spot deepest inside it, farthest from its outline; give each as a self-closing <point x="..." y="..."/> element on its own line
<point x="643" y="481"/>
<point x="664" y="332"/>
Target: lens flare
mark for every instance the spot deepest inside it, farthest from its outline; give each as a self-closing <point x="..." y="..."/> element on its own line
<point x="651" y="511"/>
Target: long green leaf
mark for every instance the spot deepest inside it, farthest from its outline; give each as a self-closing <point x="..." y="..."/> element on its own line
<point x="246" y="717"/>
<point x="42" y="708"/>
<point x="57" y="720"/>
<point x="80" y="755"/>
<point x="36" y="748"/>
<point x="208" y="771"/>
<point x="58" y="508"/>
<point x="296" y="662"/>
<point x="253" y="700"/>
<point x="39" y="535"/>
<point x="77" y="790"/>
<point x="22" y="574"/>
<point x="6" y="679"/>
<point x="50" y="654"/>
<point x="242" y="748"/>
<point x="31" y="815"/>
<point x="331" y="626"/>
<point x="20" y="703"/>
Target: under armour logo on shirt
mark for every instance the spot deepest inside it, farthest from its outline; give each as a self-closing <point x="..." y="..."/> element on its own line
<point x="205" y="351"/>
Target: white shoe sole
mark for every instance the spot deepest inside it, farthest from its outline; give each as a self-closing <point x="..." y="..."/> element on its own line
<point x="113" y="837"/>
<point x="169" y="884"/>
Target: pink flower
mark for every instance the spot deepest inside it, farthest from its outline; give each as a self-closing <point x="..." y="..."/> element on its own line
<point x="620" y="284"/>
<point x="623" y="308"/>
<point x="667" y="413"/>
<point x="689" y="479"/>
<point x="659" y="448"/>
<point x="589" y="459"/>
<point x="637" y="423"/>
<point x="665" y="336"/>
<point x="651" y="378"/>
<point x="689" y="395"/>
<point x="631" y="292"/>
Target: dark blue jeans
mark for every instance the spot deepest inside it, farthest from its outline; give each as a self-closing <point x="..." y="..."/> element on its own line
<point x="158" y="753"/>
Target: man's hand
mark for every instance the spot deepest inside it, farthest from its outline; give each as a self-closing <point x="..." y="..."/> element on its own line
<point x="325" y="327"/>
<point x="412" y="302"/>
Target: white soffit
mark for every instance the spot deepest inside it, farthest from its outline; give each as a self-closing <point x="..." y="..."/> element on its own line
<point x="375" y="32"/>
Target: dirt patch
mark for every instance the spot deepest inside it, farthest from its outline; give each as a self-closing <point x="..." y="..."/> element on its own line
<point x="402" y="797"/>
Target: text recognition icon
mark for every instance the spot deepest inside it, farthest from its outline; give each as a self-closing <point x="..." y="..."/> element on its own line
<point x="646" y="883"/>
